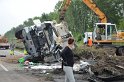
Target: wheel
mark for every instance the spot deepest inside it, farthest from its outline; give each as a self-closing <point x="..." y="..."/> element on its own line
<point x="120" y="51"/>
<point x="18" y="33"/>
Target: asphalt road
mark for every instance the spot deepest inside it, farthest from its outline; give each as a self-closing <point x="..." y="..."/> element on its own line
<point x="12" y="72"/>
<point x="8" y="73"/>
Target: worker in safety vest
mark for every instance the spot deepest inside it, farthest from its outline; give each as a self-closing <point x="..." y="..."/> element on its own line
<point x="90" y="42"/>
<point x="12" y="46"/>
<point x="11" y="52"/>
<point x="25" y="52"/>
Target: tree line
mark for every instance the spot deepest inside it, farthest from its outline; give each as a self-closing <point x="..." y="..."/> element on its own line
<point x="79" y="17"/>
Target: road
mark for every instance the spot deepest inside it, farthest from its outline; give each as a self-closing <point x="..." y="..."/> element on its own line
<point x="12" y="72"/>
<point x="8" y="73"/>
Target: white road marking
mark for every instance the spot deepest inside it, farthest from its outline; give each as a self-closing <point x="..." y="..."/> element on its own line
<point x="4" y="67"/>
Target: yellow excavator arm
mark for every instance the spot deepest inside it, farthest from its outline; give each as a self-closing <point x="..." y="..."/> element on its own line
<point x="64" y="8"/>
<point x="91" y="5"/>
<point x="96" y="10"/>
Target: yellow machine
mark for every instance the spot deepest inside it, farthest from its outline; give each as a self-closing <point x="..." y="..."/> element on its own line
<point x="107" y="32"/>
<point x="120" y="34"/>
<point x="110" y="31"/>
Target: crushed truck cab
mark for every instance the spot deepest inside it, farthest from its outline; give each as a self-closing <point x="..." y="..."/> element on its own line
<point x="41" y="40"/>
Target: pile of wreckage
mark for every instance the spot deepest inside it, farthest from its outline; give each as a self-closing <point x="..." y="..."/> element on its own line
<point x="96" y="65"/>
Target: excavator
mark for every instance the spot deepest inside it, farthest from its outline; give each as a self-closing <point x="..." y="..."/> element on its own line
<point x="104" y="32"/>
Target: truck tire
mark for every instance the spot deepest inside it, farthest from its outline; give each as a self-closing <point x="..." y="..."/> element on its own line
<point x="120" y="51"/>
<point x="18" y="33"/>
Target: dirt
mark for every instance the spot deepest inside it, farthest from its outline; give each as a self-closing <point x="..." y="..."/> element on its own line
<point x="107" y="63"/>
<point x="11" y="58"/>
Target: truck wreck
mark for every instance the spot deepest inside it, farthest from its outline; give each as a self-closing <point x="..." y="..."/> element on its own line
<point x="41" y="40"/>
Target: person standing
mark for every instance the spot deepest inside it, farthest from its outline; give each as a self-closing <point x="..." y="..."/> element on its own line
<point x="12" y="46"/>
<point x="25" y="52"/>
<point x="68" y="61"/>
<point x="90" y="42"/>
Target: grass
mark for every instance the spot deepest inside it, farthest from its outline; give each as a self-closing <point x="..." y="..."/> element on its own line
<point x="79" y="43"/>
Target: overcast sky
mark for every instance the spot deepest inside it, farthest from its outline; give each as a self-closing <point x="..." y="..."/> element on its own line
<point x="15" y="12"/>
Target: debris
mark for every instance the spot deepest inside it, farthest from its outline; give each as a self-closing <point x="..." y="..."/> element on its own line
<point x="113" y="78"/>
<point x="83" y="64"/>
<point x="46" y="67"/>
<point x="80" y="66"/>
<point x="120" y="66"/>
<point x="76" y="67"/>
<point x="43" y="72"/>
<point x="96" y="65"/>
<point x="26" y="63"/>
<point x="21" y="60"/>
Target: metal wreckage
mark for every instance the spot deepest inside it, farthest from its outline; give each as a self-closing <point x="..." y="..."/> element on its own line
<point x="47" y="38"/>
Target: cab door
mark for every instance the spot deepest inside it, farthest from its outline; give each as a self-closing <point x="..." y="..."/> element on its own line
<point x="111" y="32"/>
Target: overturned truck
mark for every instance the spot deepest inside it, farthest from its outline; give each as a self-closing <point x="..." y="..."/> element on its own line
<point x="41" y="40"/>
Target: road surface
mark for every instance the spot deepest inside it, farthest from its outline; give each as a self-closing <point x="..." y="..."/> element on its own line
<point x="12" y="72"/>
<point x="8" y="73"/>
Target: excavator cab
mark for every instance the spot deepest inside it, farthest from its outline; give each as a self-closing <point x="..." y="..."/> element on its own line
<point x="105" y="31"/>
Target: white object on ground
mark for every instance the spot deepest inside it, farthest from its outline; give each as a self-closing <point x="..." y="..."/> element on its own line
<point x="82" y="65"/>
<point x="76" y="67"/>
<point x="52" y="66"/>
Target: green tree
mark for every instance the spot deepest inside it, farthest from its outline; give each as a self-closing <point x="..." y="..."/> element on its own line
<point x="79" y="17"/>
<point x="121" y="25"/>
<point x="28" y="23"/>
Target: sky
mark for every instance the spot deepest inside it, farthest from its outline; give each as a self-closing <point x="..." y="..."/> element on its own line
<point x="15" y="12"/>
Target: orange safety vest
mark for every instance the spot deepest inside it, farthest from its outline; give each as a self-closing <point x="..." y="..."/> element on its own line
<point x="90" y="42"/>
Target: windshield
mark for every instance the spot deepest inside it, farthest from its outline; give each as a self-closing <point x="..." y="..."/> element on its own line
<point x="111" y="30"/>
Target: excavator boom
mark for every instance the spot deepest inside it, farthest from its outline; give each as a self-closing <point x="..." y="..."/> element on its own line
<point x="108" y="30"/>
<point x="96" y="10"/>
<point x="63" y="9"/>
<point x="90" y="4"/>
